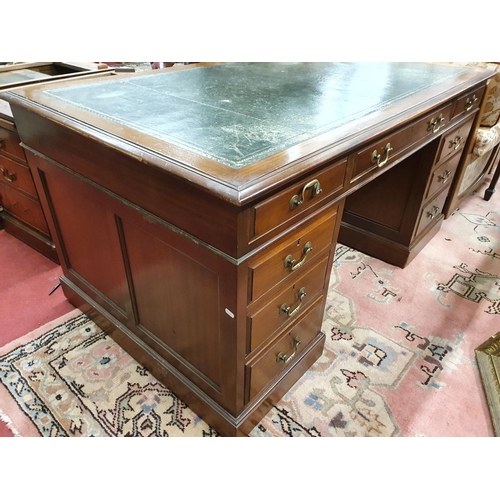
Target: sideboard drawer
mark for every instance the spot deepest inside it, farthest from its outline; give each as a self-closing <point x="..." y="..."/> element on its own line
<point x="430" y="212"/>
<point x="269" y="268"/>
<point x="442" y="176"/>
<point x="286" y="306"/>
<point x="17" y="176"/>
<point x="454" y="140"/>
<point x="10" y="144"/>
<point x="23" y="208"/>
<point x="290" y="203"/>
<point x="384" y="152"/>
<point x="285" y="351"/>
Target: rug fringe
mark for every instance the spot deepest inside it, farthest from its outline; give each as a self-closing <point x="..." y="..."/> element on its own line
<point x="10" y="425"/>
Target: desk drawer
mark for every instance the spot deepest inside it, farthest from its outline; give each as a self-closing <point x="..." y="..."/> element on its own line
<point x="9" y="143"/>
<point x="289" y="304"/>
<point x="290" y="203"/>
<point x="23" y="207"/>
<point x="468" y="103"/>
<point x="442" y="176"/>
<point x="285" y="351"/>
<point x="430" y="212"/>
<point x="454" y="140"/>
<point x="17" y="176"/>
<point x="269" y="268"/>
<point x="383" y="153"/>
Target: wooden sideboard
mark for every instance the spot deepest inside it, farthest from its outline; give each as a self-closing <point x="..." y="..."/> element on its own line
<point x="20" y="212"/>
<point x="196" y="211"/>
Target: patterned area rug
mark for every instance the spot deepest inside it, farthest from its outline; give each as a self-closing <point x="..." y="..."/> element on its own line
<point x="399" y="357"/>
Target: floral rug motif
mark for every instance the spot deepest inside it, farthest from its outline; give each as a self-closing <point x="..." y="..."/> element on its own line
<point x="398" y="361"/>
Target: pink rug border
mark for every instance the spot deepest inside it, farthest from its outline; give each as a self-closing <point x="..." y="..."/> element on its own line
<point x="10" y="413"/>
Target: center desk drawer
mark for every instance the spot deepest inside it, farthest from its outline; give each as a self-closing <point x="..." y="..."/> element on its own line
<point x="290" y="203"/>
<point x="383" y="153"/>
<point x="284" y="352"/>
<point x="17" y="176"/>
<point x="288" y="305"/>
<point x="269" y="268"/>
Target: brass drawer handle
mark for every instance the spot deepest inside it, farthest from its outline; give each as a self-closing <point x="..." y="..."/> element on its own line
<point x="444" y="176"/>
<point x="455" y="144"/>
<point x="435" y="124"/>
<point x="8" y="177"/>
<point x="286" y="359"/>
<point x="288" y="310"/>
<point x="470" y="102"/>
<point x="433" y="212"/>
<point x="295" y="201"/>
<point x="292" y="263"/>
<point x="376" y="157"/>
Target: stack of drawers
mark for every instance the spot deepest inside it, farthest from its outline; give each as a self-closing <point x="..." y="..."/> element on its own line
<point x="21" y="211"/>
<point x="288" y="280"/>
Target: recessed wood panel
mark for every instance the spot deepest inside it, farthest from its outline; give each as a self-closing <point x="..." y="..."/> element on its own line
<point x="177" y="300"/>
<point x="87" y="228"/>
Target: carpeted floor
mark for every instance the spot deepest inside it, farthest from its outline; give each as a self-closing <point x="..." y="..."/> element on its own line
<point x="399" y="357"/>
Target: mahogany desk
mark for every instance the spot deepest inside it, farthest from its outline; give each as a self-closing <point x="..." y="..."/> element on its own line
<point x="195" y="211"/>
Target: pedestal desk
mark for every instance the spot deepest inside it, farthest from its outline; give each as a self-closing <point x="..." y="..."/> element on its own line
<point x="195" y="211"/>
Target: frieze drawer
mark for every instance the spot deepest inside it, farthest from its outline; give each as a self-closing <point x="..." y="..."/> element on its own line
<point x="17" y="176"/>
<point x="384" y="152"/>
<point x="468" y="103"/>
<point x="455" y="140"/>
<point x="289" y="204"/>
<point x="285" y="351"/>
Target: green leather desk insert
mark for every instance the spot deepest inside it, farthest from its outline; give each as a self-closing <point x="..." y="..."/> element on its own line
<point x="239" y="113"/>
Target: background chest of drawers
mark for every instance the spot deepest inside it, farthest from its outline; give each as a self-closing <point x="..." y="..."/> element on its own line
<point x="20" y="211"/>
<point x="21" y="214"/>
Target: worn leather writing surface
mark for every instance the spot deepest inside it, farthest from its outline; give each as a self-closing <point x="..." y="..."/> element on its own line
<point x="239" y="113"/>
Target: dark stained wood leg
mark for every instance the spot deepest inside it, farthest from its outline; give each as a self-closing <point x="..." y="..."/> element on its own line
<point x="496" y="175"/>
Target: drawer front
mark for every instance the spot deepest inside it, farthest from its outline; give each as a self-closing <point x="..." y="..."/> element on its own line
<point x="290" y="203"/>
<point x="468" y="103"/>
<point x="431" y="211"/>
<point x="383" y="153"/>
<point x="9" y="143"/>
<point x="17" y="176"/>
<point x="270" y="268"/>
<point x="23" y="208"/>
<point x="442" y="176"/>
<point x="285" y="351"/>
<point x="290" y="303"/>
<point x="454" y="140"/>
